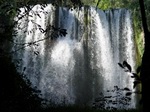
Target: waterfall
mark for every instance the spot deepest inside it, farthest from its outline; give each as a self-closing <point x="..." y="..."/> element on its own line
<point x="74" y="69"/>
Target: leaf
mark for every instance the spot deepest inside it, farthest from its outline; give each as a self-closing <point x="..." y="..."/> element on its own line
<point x="18" y="10"/>
<point x="36" y="52"/>
<point x="125" y="64"/>
<point x="24" y="69"/>
<point x="42" y="8"/>
<point x="136" y="76"/>
<point x="126" y="89"/>
<point x="120" y="65"/>
<point x="108" y="90"/>
<point x="41" y="30"/>
<point x="39" y="25"/>
<point x="63" y="32"/>
<point x="132" y="76"/>
<point x="116" y="88"/>
<point x="128" y="93"/>
<point x="30" y="16"/>
<point x="38" y="15"/>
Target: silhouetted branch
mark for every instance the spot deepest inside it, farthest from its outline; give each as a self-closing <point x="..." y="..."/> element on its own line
<point x="97" y="4"/>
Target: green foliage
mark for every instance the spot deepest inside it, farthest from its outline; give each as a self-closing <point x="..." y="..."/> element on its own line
<point x="16" y="95"/>
<point x="133" y="5"/>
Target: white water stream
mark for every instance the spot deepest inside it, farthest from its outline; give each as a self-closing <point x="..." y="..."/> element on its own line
<point x="76" y="68"/>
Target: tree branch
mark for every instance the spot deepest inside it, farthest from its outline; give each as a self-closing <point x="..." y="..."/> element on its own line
<point x="144" y="19"/>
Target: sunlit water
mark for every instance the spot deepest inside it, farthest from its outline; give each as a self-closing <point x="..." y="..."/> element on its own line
<point x="74" y="69"/>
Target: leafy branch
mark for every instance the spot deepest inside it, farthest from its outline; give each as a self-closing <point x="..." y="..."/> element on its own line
<point x="118" y="96"/>
<point x="97" y="4"/>
<point x="28" y="11"/>
<point x="135" y="76"/>
<point x="55" y="33"/>
<point x="127" y="68"/>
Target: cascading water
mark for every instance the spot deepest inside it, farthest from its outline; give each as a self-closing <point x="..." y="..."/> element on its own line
<point x="74" y="69"/>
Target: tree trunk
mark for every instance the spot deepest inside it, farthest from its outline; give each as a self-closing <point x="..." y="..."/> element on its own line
<point x="145" y="71"/>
